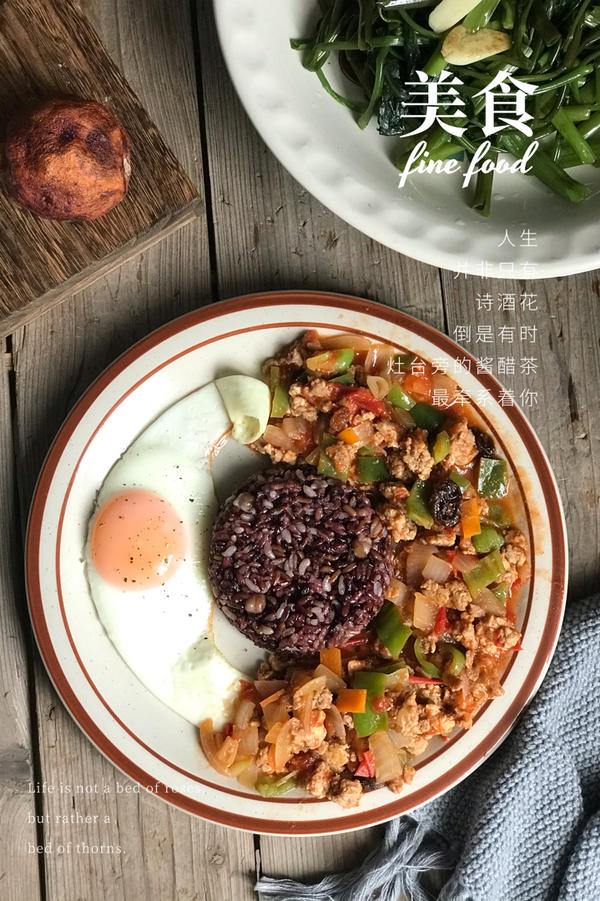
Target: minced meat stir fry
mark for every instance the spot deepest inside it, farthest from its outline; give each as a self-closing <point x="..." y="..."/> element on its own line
<point x="354" y="718"/>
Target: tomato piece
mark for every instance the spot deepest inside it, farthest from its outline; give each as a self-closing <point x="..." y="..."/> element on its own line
<point x="420" y="384"/>
<point x="441" y="622"/>
<point x="361" y="399"/>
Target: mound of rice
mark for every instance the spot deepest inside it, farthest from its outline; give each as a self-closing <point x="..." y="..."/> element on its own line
<point x="298" y="561"/>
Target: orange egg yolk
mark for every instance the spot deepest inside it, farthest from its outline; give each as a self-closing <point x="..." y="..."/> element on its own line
<point x="137" y="541"/>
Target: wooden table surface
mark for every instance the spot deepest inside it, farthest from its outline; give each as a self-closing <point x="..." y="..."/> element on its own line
<point x="259" y="230"/>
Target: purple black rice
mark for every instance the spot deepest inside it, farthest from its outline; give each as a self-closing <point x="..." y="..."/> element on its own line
<point x="298" y="561"/>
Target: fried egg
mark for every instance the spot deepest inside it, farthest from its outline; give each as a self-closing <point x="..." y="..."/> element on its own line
<point x="146" y="558"/>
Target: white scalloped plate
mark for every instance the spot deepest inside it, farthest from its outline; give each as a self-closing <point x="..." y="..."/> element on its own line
<point x="351" y="172"/>
<point x="145" y="739"/>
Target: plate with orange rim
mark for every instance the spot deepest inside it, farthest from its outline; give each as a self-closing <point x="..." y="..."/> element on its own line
<point x="141" y="736"/>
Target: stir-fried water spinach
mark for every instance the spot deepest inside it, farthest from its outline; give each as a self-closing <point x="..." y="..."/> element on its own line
<point x="553" y="45"/>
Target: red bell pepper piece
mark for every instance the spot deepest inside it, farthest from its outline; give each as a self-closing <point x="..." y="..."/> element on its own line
<point x="362" y="399"/>
<point x="441" y="622"/>
<point x="424" y="680"/>
<point x="451" y="554"/>
<point x="366" y="767"/>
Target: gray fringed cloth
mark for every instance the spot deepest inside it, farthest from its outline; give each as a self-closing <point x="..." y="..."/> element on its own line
<point x="524" y="827"/>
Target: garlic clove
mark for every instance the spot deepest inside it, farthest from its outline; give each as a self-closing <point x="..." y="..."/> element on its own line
<point x="462" y="47"/>
<point x="449" y="12"/>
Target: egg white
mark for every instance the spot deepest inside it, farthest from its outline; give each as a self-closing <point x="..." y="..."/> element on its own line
<point x="165" y="634"/>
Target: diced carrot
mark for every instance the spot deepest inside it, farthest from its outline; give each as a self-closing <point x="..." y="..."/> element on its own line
<point x="352" y="700"/>
<point x="332" y="659"/>
<point x="274" y="697"/>
<point x="271" y="757"/>
<point x="349" y="436"/>
<point x="469" y="521"/>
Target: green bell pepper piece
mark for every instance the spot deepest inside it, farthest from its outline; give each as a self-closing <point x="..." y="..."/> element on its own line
<point x="405" y="361"/>
<point x="373" y="681"/>
<point x="416" y="505"/>
<point x="459" y="480"/>
<point x="501" y="592"/>
<point x="273" y="377"/>
<point x="492" y="479"/>
<point x="346" y="379"/>
<point x="273" y="786"/>
<point x="487" y="540"/>
<point x="331" y="361"/>
<point x="391" y="629"/>
<point x="427" y="417"/>
<point x="281" y="401"/>
<point x="428" y="668"/>
<point x="487" y="571"/>
<point x="325" y="467"/>
<point x="371" y="469"/>
<point x="498" y="515"/>
<point x="457" y="658"/>
<point x="441" y="447"/>
<point x="369" y="722"/>
<point x="399" y="398"/>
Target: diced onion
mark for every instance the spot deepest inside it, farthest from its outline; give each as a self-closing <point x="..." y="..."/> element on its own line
<point x="332" y="681"/>
<point x="436" y="569"/>
<point x="278" y="438"/>
<point x="296" y="428"/>
<point x="208" y="742"/>
<point x="283" y="747"/>
<point x="334" y="723"/>
<point x="244" y="712"/>
<point x="266" y="687"/>
<point x="464" y="563"/>
<point x="371" y="360"/>
<point x="385" y="356"/>
<point x="425" y="612"/>
<point x="249" y="775"/>
<point x="356" y="342"/>
<point x="248" y="740"/>
<point x="416" y="559"/>
<point x="312" y="686"/>
<point x="488" y="602"/>
<point x="272" y="734"/>
<point x="397" y="592"/>
<point x="388" y="762"/>
<point x="276" y="712"/>
<point x="378" y="386"/>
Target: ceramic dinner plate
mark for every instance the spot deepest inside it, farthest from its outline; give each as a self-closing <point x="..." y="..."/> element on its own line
<point x="134" y="730"/>
<point x="352" y="172"/>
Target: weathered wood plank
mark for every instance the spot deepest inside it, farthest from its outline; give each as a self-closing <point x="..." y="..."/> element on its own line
<point x="269" y="234"/>
<point x="19" y="877"/>
<point x="567" y="349"/>
<point x="164" y="853"/>
<point x="48" y="49"/>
